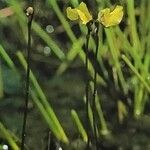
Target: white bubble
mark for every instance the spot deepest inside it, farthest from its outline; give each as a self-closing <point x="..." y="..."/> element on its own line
<point x="49" y="28"/>
<point x="5" y="147"/>
<point x="60" y="148"/>
<point x="47" y="50"/>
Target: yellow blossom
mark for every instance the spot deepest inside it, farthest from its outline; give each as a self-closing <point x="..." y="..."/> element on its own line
<point x="110" y="18"/>
<point x="81" y="12"/>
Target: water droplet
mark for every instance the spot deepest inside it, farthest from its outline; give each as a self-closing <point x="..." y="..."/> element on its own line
<point x="49" y="28"/>
<point x="47" y="50"/>
<point x="5" y="147"/>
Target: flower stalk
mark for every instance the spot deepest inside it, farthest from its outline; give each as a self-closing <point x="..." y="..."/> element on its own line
<point x="96" y="38"/>
<point x="87" y="77"/>
<point x="29" y="14"/>
<point x="107" y="17"/>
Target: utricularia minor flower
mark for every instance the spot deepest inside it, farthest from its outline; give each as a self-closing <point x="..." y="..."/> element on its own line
<point x="106" y="16"/>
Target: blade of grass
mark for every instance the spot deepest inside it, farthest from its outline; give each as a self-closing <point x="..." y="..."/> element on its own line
<point x="115" y="55"/>
<point x="45" y="115"/>
<point x="139" y="101"/>
<point x="5" y="56"/>
<point x="137" y="49"/>
<point x="79" y="125"/>
<point x="43" y="99"/>
<point x="8" y="137"/>
<point x="127" y="61"/>
<point x="70" y="56"/>
<point x="103" y="130"/>
<point x="62" y="136"/>
<point x="128" y="48"/>
<point x="133" y="27"/>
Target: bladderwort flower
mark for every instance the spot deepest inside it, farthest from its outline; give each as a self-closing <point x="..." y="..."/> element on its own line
<point x="106" y="17"/>
<point x="110" y="18"/>
<point x="81" y="12"/>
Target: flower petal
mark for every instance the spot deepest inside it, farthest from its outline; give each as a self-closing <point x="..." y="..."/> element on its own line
<point x="84" y="13"/>
<point x="108" y="18"/>
<point x="82" y="17"/>
<point x="72" y="14"/>
<point x="81" y="12"/>
<point x="117" y="14"/>
<point x="103" y="16"/>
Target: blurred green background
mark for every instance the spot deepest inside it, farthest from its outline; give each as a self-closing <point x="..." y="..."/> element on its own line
<point x="58" y="77"/>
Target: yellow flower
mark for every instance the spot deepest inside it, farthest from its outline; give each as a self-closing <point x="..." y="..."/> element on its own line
<point x="81" y="12"/>
<point x="110" y="18"/>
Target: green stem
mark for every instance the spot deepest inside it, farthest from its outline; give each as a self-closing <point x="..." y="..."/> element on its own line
<point x="87" y="80"/>
<point x="30" y="18"/>
<point x="95" y="85"/>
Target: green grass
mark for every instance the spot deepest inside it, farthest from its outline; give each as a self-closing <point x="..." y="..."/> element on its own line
<point x="124" y="59"/>
<point x="7" y="136"/>
<point x="79" y="125"/>
<point x="42" y="104"/>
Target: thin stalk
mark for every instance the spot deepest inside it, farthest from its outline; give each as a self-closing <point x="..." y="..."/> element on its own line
<point x="95" y="85"/>
<point x="87" y="79"/>
<point x="49" y="141"/>
<point x="29" y="14"/>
